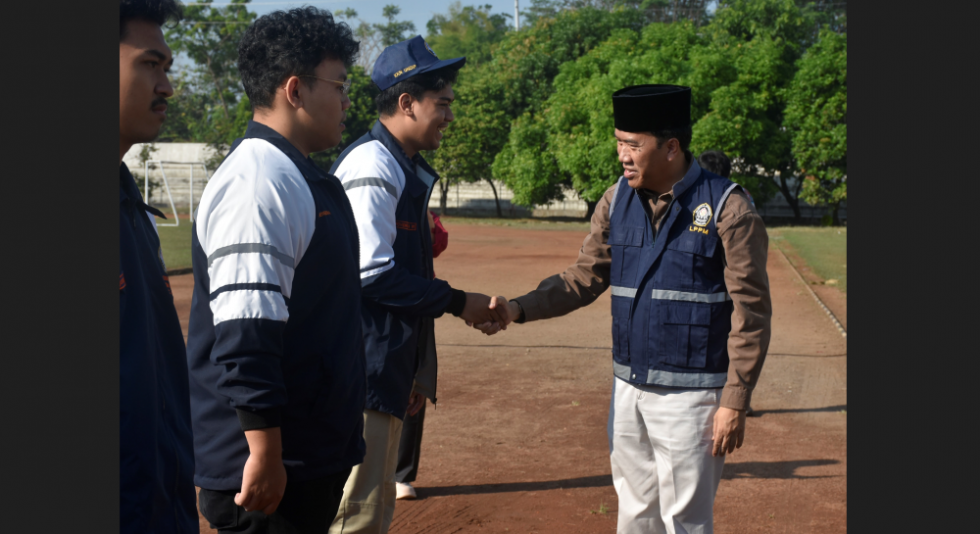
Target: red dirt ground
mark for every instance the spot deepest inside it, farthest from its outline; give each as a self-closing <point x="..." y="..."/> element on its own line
<point x="517" y="442"/>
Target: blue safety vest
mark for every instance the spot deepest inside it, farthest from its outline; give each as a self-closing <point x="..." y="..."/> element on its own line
<point x="672" y="314"/>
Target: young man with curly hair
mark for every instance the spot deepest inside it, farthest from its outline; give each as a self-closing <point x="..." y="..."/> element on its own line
<point x="275" y="350"/>
<point x="156" y="490"/>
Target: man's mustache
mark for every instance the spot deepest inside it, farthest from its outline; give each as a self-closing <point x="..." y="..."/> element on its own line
<point x="159" y="101"/>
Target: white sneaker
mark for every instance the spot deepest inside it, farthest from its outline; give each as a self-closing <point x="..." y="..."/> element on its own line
<point x="404" y="490"/>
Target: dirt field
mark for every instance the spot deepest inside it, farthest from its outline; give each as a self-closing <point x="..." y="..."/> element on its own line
<point x="517" y="442"/>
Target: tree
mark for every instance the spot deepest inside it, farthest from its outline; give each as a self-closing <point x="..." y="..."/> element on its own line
<point x="207" y="105"/>
<point x="519" y="82"/>
<point x="466" y="152"/>
<point x="393" y="31"/>
<point x="570" y="143"/>
<point x="466" y="31"/>
<point x="816" y="116"/>
<point x="374" y="38"/>
<point x="580" y="112"/>
<point x="652" y="10"/>
<point x="751" y="55"/>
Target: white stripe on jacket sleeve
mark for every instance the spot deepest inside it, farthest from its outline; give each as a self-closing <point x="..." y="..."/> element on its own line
<point x="374" y="183"/>
<point x="255" y="221"/>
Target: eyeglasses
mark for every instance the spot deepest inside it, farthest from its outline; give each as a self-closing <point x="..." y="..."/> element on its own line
<point x="345" y="83"/>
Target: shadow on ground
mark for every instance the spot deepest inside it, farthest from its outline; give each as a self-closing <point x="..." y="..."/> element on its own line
<point x="773" y="470"/>
<point x="598" y="481"/>
<point x="838" y="408"/>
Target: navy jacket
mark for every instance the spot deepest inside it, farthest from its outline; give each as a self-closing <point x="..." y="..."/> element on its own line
<point x="155" y="445"/>
<point x="390" y="194"/>
<point x="275" y="336"/>
<point x="672" y="314"/>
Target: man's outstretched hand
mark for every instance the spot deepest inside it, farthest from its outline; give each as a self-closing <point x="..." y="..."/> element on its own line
<point x="478" y="311"/>
<point x="507" y="312"/>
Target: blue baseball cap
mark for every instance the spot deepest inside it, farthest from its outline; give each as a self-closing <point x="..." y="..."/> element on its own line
<point x="406" y="59"/>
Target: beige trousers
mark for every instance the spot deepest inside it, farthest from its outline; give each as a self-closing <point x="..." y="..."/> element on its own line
<point x="660" y="451"/>
<point x="368" y="505"/>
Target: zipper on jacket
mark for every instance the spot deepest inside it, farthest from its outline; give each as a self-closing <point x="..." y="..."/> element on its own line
<point x="656" y="235"/>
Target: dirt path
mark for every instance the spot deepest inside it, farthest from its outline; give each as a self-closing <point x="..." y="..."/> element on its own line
<point x="517" y="442"/>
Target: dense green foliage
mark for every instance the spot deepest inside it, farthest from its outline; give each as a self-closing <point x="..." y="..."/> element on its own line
<point x="816" y="115"/>
<point x="533" y="108"/>
<point x="209" y="103"/>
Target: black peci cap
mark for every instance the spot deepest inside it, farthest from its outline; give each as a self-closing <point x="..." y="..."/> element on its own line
<point x="652" y="108"/>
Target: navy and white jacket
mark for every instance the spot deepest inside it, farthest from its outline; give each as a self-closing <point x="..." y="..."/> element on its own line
<point x="390" y="196"/>
<point x="275" y="336"/>
<point x="156" y="466"/>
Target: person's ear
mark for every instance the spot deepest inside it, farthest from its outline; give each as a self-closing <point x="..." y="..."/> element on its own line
<point x="292" y="89"/>
<point x="405" y="104"/>
<point x="673" y="148"/>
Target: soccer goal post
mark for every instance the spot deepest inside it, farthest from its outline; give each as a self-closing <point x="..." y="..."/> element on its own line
<point x="162" y="164"/>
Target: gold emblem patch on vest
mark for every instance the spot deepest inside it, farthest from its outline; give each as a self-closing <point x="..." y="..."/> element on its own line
<point x="702" y="215"/>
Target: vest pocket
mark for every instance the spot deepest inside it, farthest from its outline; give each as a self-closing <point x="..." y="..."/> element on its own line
<point x="620" y="327"/>
<point x="683" y="332"/>
<point x="690" y="261"/>
<point x="625" y="245"/>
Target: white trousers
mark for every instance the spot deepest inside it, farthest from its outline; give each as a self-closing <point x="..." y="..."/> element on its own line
<point x="660" y="451"/>
<point x="368" y="504"/>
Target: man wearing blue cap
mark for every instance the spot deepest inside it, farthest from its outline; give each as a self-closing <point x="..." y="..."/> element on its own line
<point x="389" y="185"/>
<point x="684" y="254"/>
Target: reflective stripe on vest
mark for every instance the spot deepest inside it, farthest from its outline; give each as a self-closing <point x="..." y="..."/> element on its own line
<point x="671" y="379"/>
<point x="664" y="294"/>
<point x="683" y="380"/>
<point x="618" y="291"/>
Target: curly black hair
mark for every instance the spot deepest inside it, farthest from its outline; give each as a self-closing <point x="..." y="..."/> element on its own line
<point x="717" y="162"/>
<point x="416" y="86"/>
<point x="290" y="43"/>
<point x="156" y="11"/>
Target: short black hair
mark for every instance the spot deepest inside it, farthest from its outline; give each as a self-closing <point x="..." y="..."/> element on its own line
<point x="717" y="162"/>
<point x="290" y="43"/>
<point x="683" y="136"/>
<point x="155" y="11"/>
<point x="416" y="86"/>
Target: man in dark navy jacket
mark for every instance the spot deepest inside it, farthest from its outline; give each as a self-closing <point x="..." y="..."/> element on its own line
<point x="155" y="450"/>
<point x="389" y="185"/>
<point x="275" y="349"/>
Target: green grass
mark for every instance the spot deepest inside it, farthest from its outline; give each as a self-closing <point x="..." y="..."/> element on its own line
<point x="176" y="244"/>
<point x="823" y="249"/>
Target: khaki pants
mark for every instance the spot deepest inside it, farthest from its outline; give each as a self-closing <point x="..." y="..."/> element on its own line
<point x="368" y="505"/>
<point x="660" y="451"/>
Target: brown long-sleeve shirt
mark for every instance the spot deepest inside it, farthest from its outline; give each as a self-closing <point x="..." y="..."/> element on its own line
<point x="744" y="239"/>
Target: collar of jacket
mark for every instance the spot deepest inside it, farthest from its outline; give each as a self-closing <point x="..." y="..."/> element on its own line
<point x="129" y="191"/>
<point x="257" y="130"/>
<point x="413" y="184"/>
<point x="688" y="180"/>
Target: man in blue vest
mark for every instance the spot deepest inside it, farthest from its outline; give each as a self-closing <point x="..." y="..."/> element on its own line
<point x="685" y="255"/>
<point x="274" y="344"/>
<point x="389" y="185"/>
<point x="156" y="461"/>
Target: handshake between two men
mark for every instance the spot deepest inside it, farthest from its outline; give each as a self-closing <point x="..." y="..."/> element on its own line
<point x="489" y="314"/>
